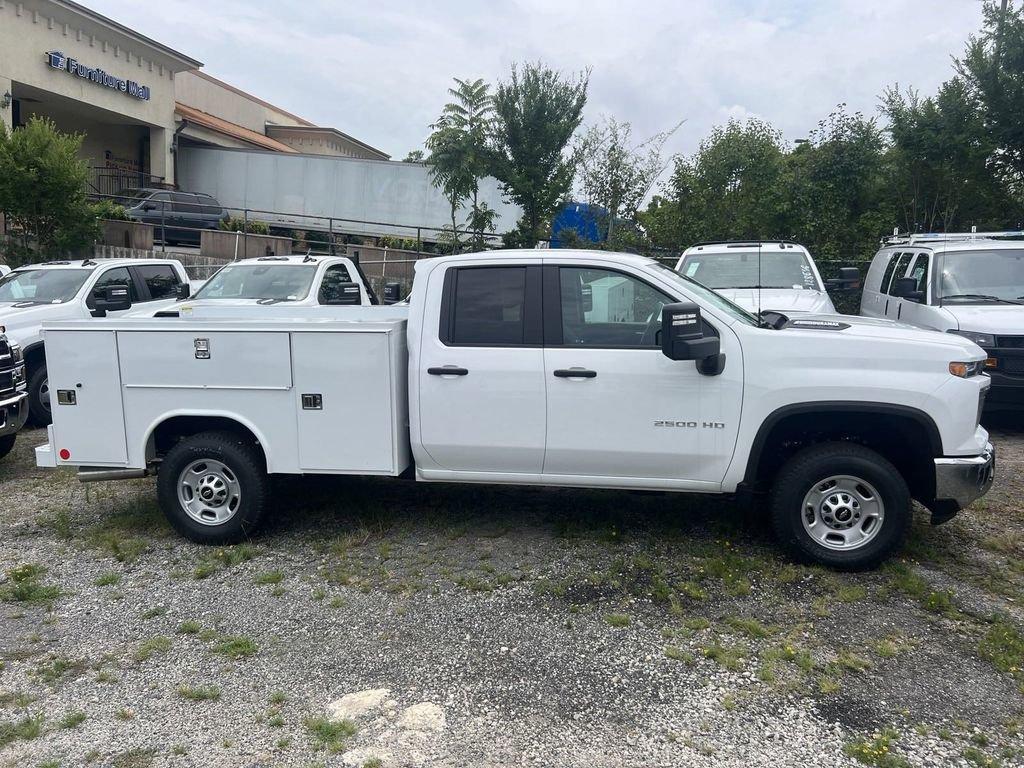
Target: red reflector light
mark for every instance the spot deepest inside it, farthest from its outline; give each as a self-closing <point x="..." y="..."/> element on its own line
<point x="64" y="454"/>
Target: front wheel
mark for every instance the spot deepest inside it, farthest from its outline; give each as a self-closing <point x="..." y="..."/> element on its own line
<point x="7" y="444"/>
<point x="841" y="505"/>
<point x="213" y="488"/>
<point x="39" y="396"/>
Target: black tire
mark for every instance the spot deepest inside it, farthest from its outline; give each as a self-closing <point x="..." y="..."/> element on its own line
<point x="245" y="466"/>
<point x="814" y="465"/>
<point x="7" y="444"/>
<point x="38" y="408"/>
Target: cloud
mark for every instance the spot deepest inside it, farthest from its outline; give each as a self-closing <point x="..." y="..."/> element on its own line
<point x="380" y="71"/>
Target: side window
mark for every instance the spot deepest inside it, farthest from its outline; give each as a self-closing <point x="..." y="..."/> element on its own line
<point x="920" y="271"/>
<point x="184" y="203"/>
<point x="117" y="276"/>
<point x="488" y="306"/>
<point x="883" y="287"/>
<point x="901" y="270"/>
<point x="333" y="277"/>
<point x="602" y="308"/>
<point x="160" y="279"/>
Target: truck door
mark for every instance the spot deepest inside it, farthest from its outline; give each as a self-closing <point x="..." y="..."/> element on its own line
<point x="616" y="406"/>
<point x="919" y="313"/>
<point x="481" y="374"/>
<point x="894" y="304"/>
<point x="118" y="276"/>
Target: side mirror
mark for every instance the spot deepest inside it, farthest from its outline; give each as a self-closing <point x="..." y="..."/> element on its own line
<point x="682" y="338"/>
<point x="392" y="293"/>
<point x="113" y="298"/>
<point x="906" y="288"/>
<point x="342" y="294"/>
<point x="848" y="280"/>
<point x="183" y="291"/>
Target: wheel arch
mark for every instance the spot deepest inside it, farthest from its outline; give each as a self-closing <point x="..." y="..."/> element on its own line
<point x="170" y="428"/>
<point x="906" y="436"/>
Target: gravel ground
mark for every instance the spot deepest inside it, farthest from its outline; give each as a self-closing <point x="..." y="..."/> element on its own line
<point x="385" y="623"/>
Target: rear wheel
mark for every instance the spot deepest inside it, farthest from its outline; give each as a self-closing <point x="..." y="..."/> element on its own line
<point x="213" y="488"/>
<point x="39" y="396"/>
<point x="841" y="505"/>
<point x="7" y="444"/>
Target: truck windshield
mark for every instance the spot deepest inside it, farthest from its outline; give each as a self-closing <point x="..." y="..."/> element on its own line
<point x="745" y="269"/>
<point x="50" y="286"/>
<point x="705" y="293"/>
<point x="982" y="277"/>
<point x="275" y="282"/>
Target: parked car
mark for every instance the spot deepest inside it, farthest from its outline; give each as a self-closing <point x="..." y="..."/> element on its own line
<point x="777" y="275"/>
<point x="65" y="290"/>
<point x="576" y="368"/>
<point x="179" y="217"/>
<point x="4" y="269"/>
<point x="13" y="398"/>
<point x="249" y="286"/>
<point x="969" y="284"/>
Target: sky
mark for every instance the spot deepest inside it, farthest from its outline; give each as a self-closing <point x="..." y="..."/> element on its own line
<point x="379" y="71"/>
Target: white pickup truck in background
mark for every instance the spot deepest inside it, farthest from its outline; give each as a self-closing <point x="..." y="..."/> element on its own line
<point x="68" y="290"/>
<point x="574" y="368"/>
<point x="770" y="275"/>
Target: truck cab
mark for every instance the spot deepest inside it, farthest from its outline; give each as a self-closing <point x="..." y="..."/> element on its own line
<point x="246" y="288"/>
<point x="776" y="275"/>
<point x="68" y="290"/>
<point x="970" y="285"/>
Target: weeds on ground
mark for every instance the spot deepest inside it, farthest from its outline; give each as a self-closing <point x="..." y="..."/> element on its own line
<point x="876" y="751"/>
<point x="1003" y="646"/>
<point x="617" y="620"/>
<point x="330" y="734"/>
<point x="225" y="557"/>
<point x="57" y="667"/>
<point x="199" y="693"/>
<point x="25" y="586"/>
<point x="190" y="627"/>
<point x="148" y="648"/>
<point x="72" y="720"/>
<point x="25" y="729"/>
<point x="237" y="647"/>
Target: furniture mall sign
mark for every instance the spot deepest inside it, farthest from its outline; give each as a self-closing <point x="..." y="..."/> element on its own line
<point x="58" y="60"/>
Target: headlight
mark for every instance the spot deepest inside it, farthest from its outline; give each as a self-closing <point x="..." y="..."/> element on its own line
<point x="966" y="370"/>
<point x="981" y="339"/>
<point x="19" y="375"/>
<point x="16" y="354"/>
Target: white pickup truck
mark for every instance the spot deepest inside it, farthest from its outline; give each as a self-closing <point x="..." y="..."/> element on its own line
<point x="573" y="368"/>
<point x="67" y="290"/>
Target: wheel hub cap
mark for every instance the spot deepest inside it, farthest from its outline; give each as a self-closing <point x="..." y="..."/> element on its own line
<point x="209" y="492"/>
<point x="842" y="512"/>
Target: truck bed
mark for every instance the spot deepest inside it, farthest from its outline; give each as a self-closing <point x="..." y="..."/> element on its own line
<point x="320" y="395"/>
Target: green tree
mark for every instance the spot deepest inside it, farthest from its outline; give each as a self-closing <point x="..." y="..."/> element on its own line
<point x="415" y="156"/>
<point x="940" y="162"/>
<point x="616" y="174"/>
<point x="42" y="192"/>
<point x="993" y="68"/>
<point x="538" y="110"/>
<point x="459" y="154"/>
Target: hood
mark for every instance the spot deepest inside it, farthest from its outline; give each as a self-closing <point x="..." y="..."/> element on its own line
<point x="988" y="318"/>
<point x="881" y="331"/>
<point x="784" y="300"/>
<point x="22" y="319"/>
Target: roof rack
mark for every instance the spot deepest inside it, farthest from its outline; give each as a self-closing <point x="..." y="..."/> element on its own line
<point x="749" y="243"/>
<point x="938" y="237"/>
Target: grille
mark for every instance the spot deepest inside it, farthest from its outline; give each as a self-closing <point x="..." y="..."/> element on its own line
<point x="6" y="382"/>
<point x="5" y="348"/>
<point x="1010" y="342"/>
<point x="1014" y="365"/>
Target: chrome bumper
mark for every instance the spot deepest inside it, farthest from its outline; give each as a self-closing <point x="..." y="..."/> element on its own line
<point x="13" y="413"/>
<point x="963" y="479"/>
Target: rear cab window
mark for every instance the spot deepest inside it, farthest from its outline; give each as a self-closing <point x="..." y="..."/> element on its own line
<point x="488" y="306"/>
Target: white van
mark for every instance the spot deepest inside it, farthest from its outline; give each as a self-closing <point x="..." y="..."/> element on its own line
<point x="779" y="276"/>
<point x="970" y="284"/>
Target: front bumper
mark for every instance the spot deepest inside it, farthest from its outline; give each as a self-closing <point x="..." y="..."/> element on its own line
<point x="959" y="480"/>
<point x="13" y="413"/>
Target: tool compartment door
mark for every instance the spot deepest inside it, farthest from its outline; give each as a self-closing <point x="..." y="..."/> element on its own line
<point x="83" y="366"/>
<point x="343" y="401"/>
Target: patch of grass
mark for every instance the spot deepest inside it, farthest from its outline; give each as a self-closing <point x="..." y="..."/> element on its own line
<point x="330" y="734"/>
<point x="729" y="702"/>
<point x="135" y="758"/>
<point x="25" y="729"/>
<point x="199" y="693"/>
<point x="696" y="623"/>
<point x="275" y="576"/>
<point x="851" y="661"/>
<point x="1003" y="646"/>
<point x="750" y="627"/>
<point x="876" y="751"/>
<point x="678" y="654"/>
<point x="238" y="647"/>
<point x="828" y="684"/>
<point x="148" y="648"/>
<point x="373" y="762"/>
<point x="124" y="714"/>
<point x="18" y="699"/>
<point x="123" y="548"/>
<point x="730" y="658"/>
<point x="891" y="646"/>
<point x="692" y="590"/>
<point x="979" y="758"/>
<point x="190" y="628"/>
<point x="225" y="557"/>
<point x="617" y="620"/>
<point x="108" y="579"/>
<point x="152" y="613"/>
<point x="57" y="667"/>
<point x="25" y="586"/>
<point x="850" y="593"/>
<point x="278" y="698"/>
<point x="275" y="721"/>
<point x="72" y="720"/>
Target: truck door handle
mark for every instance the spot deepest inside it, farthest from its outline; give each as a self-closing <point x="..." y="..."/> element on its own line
<point x="575" y="373"/>
<point x="448" y="370"/>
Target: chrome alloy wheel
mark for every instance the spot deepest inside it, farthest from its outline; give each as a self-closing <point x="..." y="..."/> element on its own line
<point x="842" y="512"/>
<point x="209" y="492"/>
